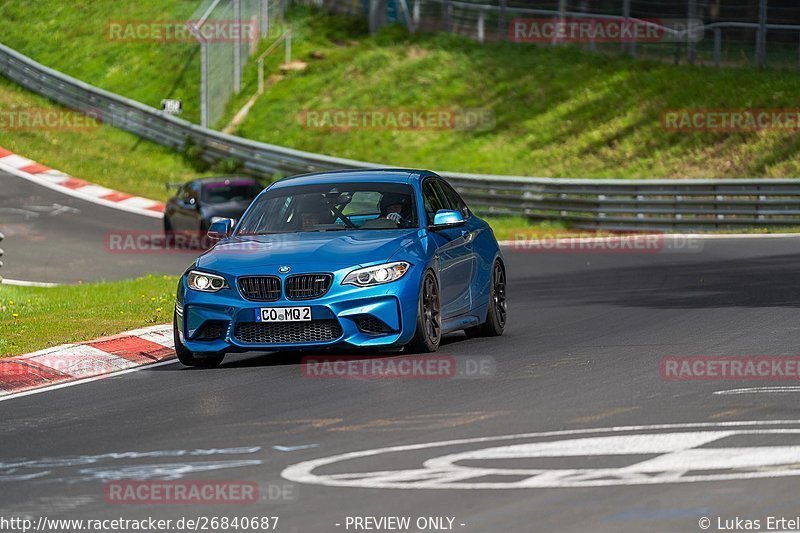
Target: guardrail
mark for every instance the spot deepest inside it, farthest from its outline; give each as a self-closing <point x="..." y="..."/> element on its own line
<point x="586" y="203"/>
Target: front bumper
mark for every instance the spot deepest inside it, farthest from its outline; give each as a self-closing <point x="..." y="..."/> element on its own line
<point x="380" y="317"/>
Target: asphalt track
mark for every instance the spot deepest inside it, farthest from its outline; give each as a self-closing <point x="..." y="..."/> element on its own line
<point x="581" y="352"/>
<point x="52" y="237"/>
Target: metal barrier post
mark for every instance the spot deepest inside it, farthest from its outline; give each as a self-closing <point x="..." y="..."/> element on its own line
<point x="264" y="18"/>
<point x="501" y="21"/>
<point x="407" y="16"/>
<point x="761" y="39"/>
<point x="447" y="11"/>
<point x="287" y="55"/>
<point x="629" y="47"/>
<point x="691" y="46"/>
<point x="204" y="84"/>
<point x="717" y="47"/>
<point x="237" y="49"/>
<point x="562" y="15"/>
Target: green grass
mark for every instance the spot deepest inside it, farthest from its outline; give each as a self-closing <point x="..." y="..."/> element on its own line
<point x="33" y="318"/>
<point x="106" y="156"/>
<point x="559" y="111"/>
<point x="72" y="37"/>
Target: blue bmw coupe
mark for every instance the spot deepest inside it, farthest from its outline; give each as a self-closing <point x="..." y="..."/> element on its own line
<point x="361" y="258"/>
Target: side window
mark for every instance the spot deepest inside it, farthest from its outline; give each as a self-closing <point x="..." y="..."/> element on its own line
<point x="434" y="200"/>
<point x="454" y="199"/>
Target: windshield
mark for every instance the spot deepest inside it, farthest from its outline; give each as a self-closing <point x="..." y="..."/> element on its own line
<point x="230" y="191"/>
<point x="332" y="207"/>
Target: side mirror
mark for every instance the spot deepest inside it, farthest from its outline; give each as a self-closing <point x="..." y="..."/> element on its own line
<point x="220" y="229"/>
<point x="446" y="218"/>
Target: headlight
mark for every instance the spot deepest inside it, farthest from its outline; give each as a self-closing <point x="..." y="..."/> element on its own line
<point x="204" y="282"/>
<point x="376" y="275"/>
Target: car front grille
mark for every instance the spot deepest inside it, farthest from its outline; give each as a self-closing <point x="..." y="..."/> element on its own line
<point x="287" y="332"/>
<point x="260" y="288"/>
<point x="370" y="324"/>
<point x="307" y="286"/>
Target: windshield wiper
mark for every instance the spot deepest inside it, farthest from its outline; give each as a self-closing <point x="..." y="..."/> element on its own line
<point x="332" y="227"/>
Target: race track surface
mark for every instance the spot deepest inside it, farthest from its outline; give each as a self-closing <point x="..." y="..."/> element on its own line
<point x="51" y="237"/>
<point x="581" y="354"/>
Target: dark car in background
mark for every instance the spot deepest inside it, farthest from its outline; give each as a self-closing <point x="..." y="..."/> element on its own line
<point x="199" y="203"/>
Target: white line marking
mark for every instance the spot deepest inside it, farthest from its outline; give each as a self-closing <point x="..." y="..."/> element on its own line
<point x="15" y="395"/>
<point x="446" y="473"/>
<point x="295" y="448"/>
<point x="94" y="190"/>
<point x="82" y="361"/>
<point x="759" y="390"/>
<point x="16" y="161"/>
<point x="53" y="176"/>
<point x="70" y="192"/>
<point x="138" y="201"/>
<point x="21" y="283"/>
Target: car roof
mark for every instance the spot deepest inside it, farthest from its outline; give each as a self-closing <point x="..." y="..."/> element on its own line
<point x="219" y="179"/>
<point x="387" y="175"/>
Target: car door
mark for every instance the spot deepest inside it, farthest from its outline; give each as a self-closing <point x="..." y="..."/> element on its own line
<point x="454" y="253"/>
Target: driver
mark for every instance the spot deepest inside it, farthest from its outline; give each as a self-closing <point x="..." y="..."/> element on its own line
<point x="395" y="207"/>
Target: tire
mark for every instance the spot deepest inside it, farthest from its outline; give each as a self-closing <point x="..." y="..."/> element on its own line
<point x="188" y="358"/>
<point x="167" y="225"/>
<point x="497" y="314"/>
<point x="428" y="333"/>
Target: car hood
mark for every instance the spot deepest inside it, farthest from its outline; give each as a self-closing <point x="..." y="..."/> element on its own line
<point x="305" y="251"/>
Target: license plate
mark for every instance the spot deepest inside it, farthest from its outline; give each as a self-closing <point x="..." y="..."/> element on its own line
<point x="284" y="314"/>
